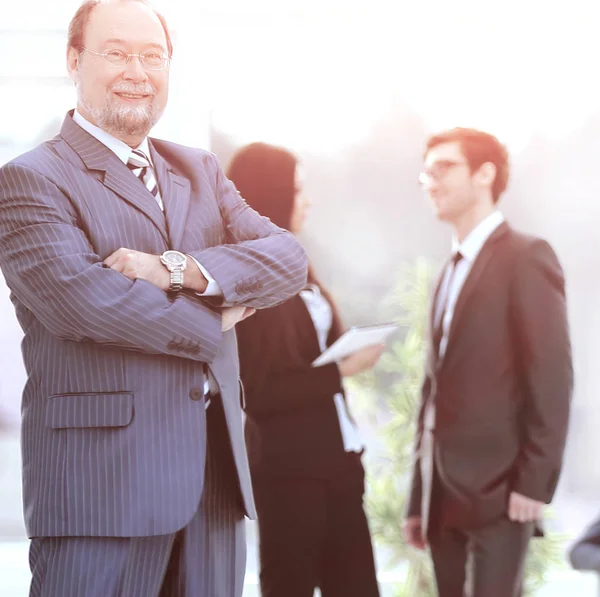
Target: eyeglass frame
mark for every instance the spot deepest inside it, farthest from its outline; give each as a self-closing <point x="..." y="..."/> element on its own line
<point x="166" y="59"/>
<point x="428" y="176"/>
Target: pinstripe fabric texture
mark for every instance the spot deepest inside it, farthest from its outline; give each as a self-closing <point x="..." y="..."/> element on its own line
<point x="139" y="164"/>
<point x="113" y="419"/>
<point x="205" y="559"/>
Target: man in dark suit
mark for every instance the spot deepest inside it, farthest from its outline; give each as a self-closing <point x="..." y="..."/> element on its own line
<point x="129" y="261"/>
<point x="498" y="380"/>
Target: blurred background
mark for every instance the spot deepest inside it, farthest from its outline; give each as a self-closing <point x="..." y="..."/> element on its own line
<point x="354" y="88"/>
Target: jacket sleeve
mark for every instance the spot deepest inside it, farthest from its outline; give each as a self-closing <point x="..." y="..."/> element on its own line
<point x="52" y="270"/>
<point x="261" y="265"/>
<point x="544" y="351"/>
<point x="413" y="507"/>
<point x="270" y="389"/>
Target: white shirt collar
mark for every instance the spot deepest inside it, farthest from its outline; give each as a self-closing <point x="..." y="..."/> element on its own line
<point x="118" y="147"/>
<point x="471" y="245"/>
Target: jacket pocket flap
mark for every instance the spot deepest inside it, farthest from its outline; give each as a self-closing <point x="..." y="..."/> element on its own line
<point x="89" y="410"/>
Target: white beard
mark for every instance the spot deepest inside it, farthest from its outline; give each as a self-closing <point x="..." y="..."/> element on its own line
<point x="120" y="119"/>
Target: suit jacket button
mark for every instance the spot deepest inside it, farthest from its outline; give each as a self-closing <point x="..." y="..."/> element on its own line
<point x="196" y="394"/>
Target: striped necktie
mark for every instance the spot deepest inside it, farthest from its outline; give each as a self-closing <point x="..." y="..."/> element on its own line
<point x="139" y="164"/>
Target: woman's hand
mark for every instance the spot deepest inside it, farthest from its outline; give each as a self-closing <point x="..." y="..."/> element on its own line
<point x="361" y="360"/>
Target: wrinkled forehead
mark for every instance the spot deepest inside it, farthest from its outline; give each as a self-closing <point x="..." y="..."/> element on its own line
<point x="445" y="152"/>
<point x="132" y="25"/>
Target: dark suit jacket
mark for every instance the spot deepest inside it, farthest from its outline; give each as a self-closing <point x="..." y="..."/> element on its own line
<point x="502" y="391"/>
<point x="292" y="426"/>
<point x="113" y="433"/>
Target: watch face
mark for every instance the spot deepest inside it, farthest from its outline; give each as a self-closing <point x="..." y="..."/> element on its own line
<point x="173" y="258"/>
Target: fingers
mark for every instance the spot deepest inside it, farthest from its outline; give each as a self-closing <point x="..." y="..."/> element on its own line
<point x="359" y="361"/>
<point x="230" y="316"/>
<point x="515" y="508"/>
<point x="118" y="266"/>
<point x="226" y="318"/>
<point x="374" y="351"/>
<point x="119" y="259"/>
<point x="372" y="354"/>
<point x="524" y="509"/>
<point x="113" y="258"/>
<point x="248" y="312"/>
<point x="135" y="264"/>
<point x="379" y="348"/>
<point x="536" y="510"/>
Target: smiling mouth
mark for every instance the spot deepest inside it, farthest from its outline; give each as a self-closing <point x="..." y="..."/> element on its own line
<point x="132" y="96"/>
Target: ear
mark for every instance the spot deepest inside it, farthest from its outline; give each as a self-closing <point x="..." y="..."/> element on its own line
<point x="73" y="63"/>
<point x="486" y="174"/>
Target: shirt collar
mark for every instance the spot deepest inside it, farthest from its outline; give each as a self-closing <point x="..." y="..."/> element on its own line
<point x="118" y="147"/>
<point x="470" y="246"/>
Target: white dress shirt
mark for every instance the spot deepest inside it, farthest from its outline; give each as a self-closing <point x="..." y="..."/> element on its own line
<point x="123" y="151"/>
<point x="322" y="317"/>
<point x="469" y="249"/>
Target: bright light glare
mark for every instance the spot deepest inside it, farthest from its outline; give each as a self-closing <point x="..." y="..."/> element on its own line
<point x="318" y="78"/>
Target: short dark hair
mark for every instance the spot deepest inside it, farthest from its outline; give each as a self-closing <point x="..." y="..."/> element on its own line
<point x="265" y="177"/>
<point x="82" y="16"/>
<point x="478" y="148"/>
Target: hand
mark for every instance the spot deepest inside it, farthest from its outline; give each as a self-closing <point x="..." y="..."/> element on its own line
<point x="524" y="509"/>
<point x="361" y="360"/>
<point x="230" y="316"/>
<point x="412" y="531"/>
<point x="135" y="264"/>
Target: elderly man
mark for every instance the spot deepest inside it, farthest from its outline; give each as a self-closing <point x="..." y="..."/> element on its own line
<point x="130" y="260"/>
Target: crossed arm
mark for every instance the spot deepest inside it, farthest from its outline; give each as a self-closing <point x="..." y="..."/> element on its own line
<point x="54" y="272"/>
<point x="144" y="266"/>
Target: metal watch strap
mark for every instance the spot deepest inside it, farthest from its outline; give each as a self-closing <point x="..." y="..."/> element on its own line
<point x="176" y="279"/>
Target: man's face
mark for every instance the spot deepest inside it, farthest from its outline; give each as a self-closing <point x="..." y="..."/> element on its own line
<point x="448" y="182"/>
<point x="127" y="100"/>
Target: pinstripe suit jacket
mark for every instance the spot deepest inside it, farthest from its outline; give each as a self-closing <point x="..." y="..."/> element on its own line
<point x="113" y="420"/>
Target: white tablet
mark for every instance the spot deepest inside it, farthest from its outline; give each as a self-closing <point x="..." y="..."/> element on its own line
<point x="354" y="339"/>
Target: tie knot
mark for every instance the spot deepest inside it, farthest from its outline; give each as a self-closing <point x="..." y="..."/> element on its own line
<point x="456" y="258"/>
<point x="138" y="159"/>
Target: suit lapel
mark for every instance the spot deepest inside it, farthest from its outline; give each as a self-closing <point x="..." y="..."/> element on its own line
<point x="175" y="193"/>
<point x="470" y="284"/>
<point x="114" y="173"/>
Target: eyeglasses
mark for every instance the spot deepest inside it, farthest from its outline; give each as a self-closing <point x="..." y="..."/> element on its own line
<point x="150" y="60"/>
<point x="438" y="170"/>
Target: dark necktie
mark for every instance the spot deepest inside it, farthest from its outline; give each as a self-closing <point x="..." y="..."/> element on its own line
<point x="139" y="164"/>
<point x="438" y="331"/>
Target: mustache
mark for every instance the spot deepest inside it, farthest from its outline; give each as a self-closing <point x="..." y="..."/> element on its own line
<point x="141" y="88"/>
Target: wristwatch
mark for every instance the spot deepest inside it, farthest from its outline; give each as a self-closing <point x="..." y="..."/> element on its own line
<point x="175" y="262"/>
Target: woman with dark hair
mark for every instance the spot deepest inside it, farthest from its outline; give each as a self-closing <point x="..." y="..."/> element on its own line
<point x="303" y="446"/>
